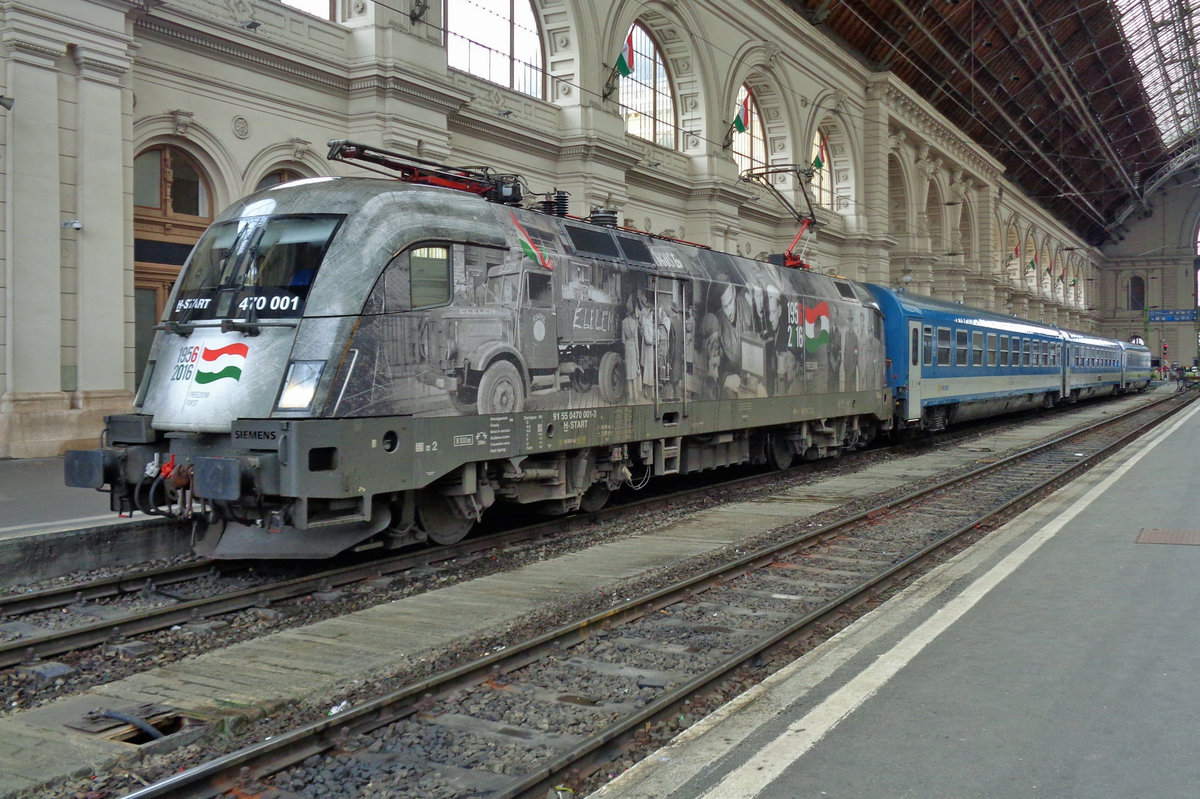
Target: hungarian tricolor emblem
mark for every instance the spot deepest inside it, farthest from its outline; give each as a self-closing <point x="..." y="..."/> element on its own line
<point x="816" y="325"/>
<point x="222" y="363"/>
<point x="813" y="328"/>
<point x="528" y="247"/>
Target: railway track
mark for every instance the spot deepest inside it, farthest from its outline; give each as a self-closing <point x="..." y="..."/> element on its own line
<point x="109" y="610"/>
<point x="551" y="710"/>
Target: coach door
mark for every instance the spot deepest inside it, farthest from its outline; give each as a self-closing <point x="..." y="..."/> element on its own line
<point x="672" y="340"/>
<point x="920" y="355"/>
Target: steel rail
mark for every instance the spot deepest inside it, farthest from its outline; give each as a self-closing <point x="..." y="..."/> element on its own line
<point x="239" y="770"/>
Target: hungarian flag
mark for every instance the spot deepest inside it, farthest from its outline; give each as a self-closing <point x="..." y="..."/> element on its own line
<point x="1032" y="263"/>
<point x="625" y="59"/>
<point x="742" y="120"/>
<point x="822" y="156"/>
<point x="528" y="247"/>
<point x="222" y="363"/>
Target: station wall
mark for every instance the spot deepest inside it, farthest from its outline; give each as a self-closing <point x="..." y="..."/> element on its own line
<point x="135" y="121"/>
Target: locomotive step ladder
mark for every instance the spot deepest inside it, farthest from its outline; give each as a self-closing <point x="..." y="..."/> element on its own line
<point x="666" y="455"/>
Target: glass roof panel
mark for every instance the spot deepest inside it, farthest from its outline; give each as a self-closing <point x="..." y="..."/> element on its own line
<point x="1162" y="35"/>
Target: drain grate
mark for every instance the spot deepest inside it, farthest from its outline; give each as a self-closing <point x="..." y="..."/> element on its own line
<point x="1154" y="535"/>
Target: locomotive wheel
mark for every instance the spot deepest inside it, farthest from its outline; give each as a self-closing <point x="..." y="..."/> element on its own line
<point x="779" y="451"/>
<point x="501" y="389"/>
<point x="436" y="516"/>
<point x="595" y="498"/>
<point x="612" y="378"/>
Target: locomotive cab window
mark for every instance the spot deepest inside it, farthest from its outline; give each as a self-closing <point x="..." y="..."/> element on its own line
<point x="263" y="266"/>
<point x="415" y="278"/>
<point x="429" y="270"/>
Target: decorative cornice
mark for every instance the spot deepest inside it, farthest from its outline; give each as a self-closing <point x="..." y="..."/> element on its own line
<point x="426" y="94"/>
<point x="31" y="50"/>
<point x="913" y="112"/>
<point x="525" y="140"/>
<point x="232" y="51"/>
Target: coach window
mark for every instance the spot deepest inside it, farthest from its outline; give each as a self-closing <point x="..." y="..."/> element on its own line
<point x="1025" y="352"/>
<point x="1004" y="350"/>
<point x="1035" y="358"/>
<point x="915" y="348"/>
<point x="928" y="346"/>
<point x="960" y="348"/>
<point x="1045" y="353"/>
<point x="991" y="349"/>
<point x="977" y="348"/>
<point x="943" y="346"/>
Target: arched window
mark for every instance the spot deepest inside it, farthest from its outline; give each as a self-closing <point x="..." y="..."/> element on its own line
<point x="277" y="176"/>
<point x="168" y="183"/>
<point x="497" y="40"/>
<point x="1137" y="293"/>
<point x="647" y="100"/>
<point x="172" y="202"/>
<point x="750" y="142"/>
<point x="822" y="182"/>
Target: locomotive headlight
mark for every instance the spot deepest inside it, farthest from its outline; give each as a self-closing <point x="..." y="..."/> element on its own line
<point x="300" y="385"/>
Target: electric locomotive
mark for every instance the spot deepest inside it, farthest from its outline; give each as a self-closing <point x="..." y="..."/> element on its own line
<point x="361" y="362"/>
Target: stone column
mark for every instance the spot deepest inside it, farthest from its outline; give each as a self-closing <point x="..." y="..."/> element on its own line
<point x="101" y="242"/>
<point x="32" y="240"/>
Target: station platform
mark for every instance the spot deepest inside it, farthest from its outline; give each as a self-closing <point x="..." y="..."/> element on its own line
<point x="1057" y="658"/>
<point x="48" y="529"/>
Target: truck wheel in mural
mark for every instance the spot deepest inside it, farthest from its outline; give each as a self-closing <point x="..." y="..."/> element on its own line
<point x="612" y="378"/>
<point x="595" y="498"/>
<point x="582" y="380"/>
<point x="501" y="389"/>
<point x="437" y="518"/>
<point x="779" y="451"/>
<point x="464" y="400"/>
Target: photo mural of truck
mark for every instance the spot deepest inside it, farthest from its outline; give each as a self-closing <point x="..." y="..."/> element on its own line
<point x="571" y="315"/>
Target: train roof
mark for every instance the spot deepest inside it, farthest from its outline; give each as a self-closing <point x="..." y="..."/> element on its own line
<point x="933" y="310"/>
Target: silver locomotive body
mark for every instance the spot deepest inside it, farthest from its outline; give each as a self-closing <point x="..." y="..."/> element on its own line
<point x="351" y="362"/>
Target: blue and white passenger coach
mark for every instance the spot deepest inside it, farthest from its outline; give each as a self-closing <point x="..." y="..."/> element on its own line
<point x="949" y="362"/>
